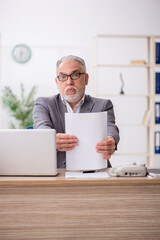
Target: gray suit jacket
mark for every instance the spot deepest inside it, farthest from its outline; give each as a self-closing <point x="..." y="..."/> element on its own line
<point x="49" y="112"/>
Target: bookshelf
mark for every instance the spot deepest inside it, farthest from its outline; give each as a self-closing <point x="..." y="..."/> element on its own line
<point x="135" y="58"/>
<point x="0" y="75"/>
<point x="155" y="127"/>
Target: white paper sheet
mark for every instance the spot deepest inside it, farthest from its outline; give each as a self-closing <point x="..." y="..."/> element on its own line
<point x="95" y="175"/>
<point x="89" y="128"/>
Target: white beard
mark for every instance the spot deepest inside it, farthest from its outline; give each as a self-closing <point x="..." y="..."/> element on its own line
<point x="74" y="98"/>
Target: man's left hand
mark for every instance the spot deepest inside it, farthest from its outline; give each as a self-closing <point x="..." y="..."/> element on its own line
<point x="106" y="147"/>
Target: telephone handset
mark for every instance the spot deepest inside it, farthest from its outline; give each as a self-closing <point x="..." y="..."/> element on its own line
<point x="137" y="169"/>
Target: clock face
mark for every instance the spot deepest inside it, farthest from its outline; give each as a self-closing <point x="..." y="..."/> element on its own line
<point x="21" y="53"/>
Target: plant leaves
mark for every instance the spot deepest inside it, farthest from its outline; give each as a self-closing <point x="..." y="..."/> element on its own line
<point x="20" y="109"/>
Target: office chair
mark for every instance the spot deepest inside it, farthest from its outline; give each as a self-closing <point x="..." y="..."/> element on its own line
<point x="30" y="127"/>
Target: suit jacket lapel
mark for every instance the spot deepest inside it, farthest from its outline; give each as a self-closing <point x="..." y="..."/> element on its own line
<point x="88" y="104"/>
<point x="86" y="107"/>
<point x="62" y="109"/>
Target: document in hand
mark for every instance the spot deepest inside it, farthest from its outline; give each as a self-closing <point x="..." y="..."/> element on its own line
<point x="89" y="128"/>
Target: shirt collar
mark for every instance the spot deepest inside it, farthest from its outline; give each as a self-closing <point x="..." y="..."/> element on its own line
<point x="78" y="104"/>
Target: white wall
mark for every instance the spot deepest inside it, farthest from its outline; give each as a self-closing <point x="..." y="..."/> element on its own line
<point x="54" y="28"/>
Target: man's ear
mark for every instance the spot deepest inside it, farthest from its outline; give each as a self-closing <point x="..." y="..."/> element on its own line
<point x="86" y="79"/>
<point x="56" y="80"/>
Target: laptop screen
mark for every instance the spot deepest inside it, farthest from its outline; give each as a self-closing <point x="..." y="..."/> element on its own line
<point x="28" y="152"/>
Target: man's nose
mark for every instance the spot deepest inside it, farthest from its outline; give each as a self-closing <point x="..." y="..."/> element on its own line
<point x="70" y="81"/>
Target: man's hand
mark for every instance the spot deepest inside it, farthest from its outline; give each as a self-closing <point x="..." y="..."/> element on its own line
<point x="106" y="147"/>
<point x="65" y="142"/>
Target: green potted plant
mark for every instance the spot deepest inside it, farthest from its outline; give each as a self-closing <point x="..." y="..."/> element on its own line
<point x="20" y="109"/>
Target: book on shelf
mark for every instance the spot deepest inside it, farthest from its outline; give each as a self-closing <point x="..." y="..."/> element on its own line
<point x="157" y="52"/>
<point x="157" y="82"/>
<point x="138" y="62"/>
<point x="157" y="142"/>
<point x="157" y="112"/>
<point x="147" y="117"/>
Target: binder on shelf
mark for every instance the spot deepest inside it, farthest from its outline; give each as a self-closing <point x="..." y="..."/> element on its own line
<point x="157" y="142"/>
<point x="157" y="112"/>
<point x="157" y="82"/>
<point x="157" y="52"/>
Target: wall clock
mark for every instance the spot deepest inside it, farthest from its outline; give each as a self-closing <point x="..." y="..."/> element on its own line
<point x="21" y="53"/>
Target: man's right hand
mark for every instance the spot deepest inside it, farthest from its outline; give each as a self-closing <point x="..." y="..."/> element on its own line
<point x="65" y="142"/>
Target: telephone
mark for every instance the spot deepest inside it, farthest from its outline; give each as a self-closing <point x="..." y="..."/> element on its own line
<point x="137" y="169"/>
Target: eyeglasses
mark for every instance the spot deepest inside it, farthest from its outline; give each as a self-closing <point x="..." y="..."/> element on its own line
<point x="73" y="76"/>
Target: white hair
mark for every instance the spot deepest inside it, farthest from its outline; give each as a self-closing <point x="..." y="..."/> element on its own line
<point x="72" y="58"/>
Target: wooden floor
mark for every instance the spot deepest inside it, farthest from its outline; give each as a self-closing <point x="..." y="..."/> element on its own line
<point x="80" y="210"/>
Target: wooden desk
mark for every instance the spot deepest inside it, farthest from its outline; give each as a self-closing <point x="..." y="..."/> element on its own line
<point x="57" y="208"/>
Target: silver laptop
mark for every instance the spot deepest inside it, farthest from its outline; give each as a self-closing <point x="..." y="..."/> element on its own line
<point x="28" y="152"/>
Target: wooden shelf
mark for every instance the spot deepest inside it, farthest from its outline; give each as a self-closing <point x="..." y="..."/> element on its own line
<point x="132" y="154"/>
<point x="123" y="65"/>
<point x="123" y="95"/>
<point x="123" y="36"/>
<point x="133" y="125"/>
<point x="150" y="67"/>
